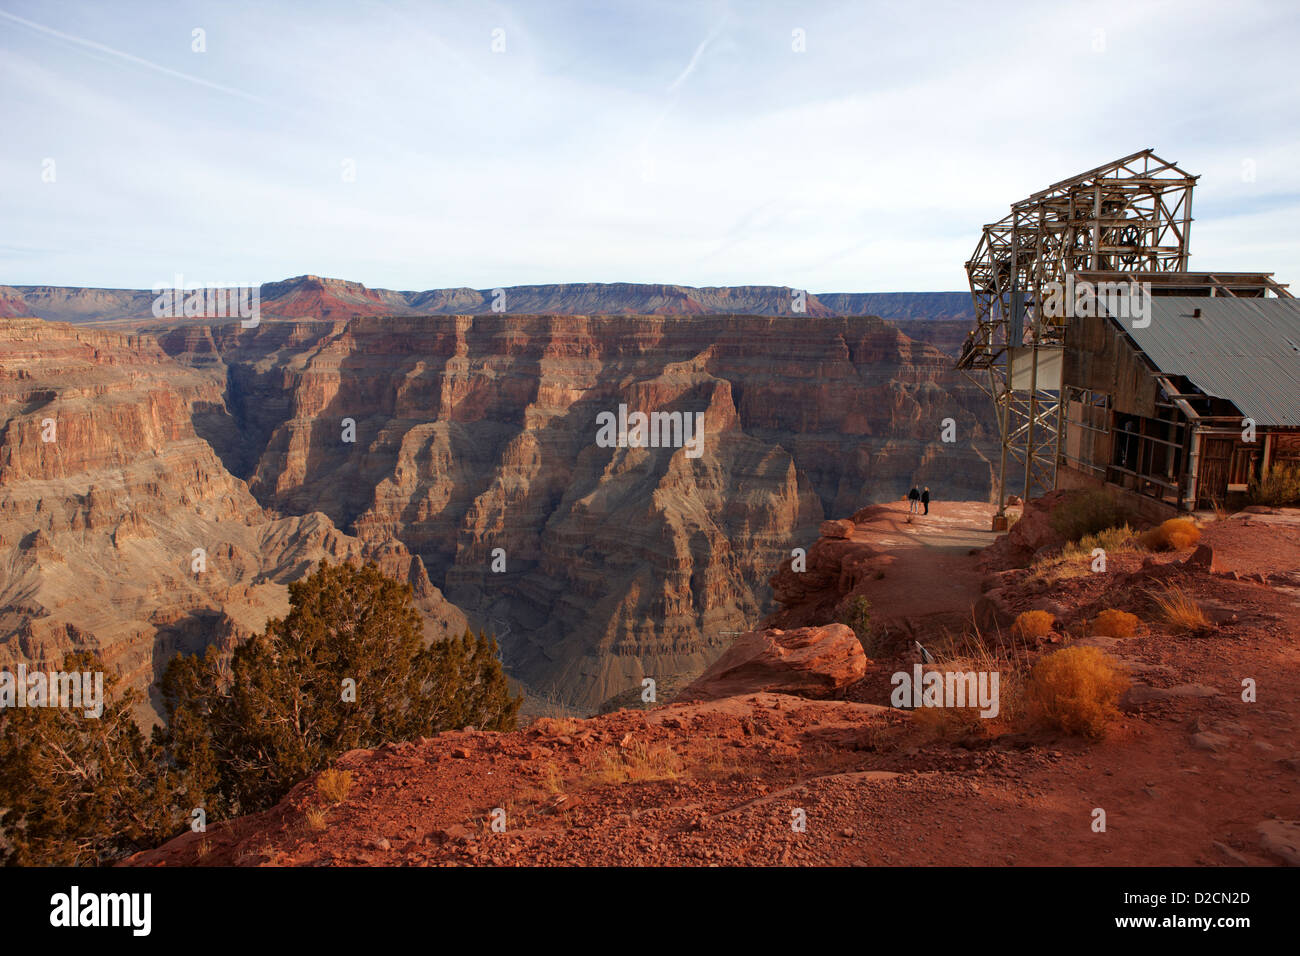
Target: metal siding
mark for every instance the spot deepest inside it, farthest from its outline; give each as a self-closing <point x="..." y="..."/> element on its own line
<point x="1244" y="350"/>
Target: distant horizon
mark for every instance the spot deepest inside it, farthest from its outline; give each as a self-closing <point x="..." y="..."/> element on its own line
<point x="513" y="285"/>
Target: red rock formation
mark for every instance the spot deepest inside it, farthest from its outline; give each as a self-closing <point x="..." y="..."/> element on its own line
<point x="1031" y="534"/>
<point x="812" y="662"/>
<point x="834" y="568"/>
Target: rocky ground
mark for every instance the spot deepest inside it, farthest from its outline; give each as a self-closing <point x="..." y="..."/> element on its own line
<point x="1190" y="774"/>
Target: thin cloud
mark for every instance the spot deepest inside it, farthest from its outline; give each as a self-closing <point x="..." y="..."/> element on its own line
<point x="695" y="57"/>
<point x="131" y="58"/>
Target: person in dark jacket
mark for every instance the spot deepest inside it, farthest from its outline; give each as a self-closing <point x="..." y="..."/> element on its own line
<point x="925" y="499"/>
<point x="913" y="497"/>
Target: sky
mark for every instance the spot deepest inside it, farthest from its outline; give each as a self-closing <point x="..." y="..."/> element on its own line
<point x="845" y="147"/>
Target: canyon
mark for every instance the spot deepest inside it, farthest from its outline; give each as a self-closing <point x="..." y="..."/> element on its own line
<point x="460" y="452"/>
<point x="121" y="532"/>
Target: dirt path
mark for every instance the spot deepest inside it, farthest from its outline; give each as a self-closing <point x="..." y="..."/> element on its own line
<point x="934" y="572"/>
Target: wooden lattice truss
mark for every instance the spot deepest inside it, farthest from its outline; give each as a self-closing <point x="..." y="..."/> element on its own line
<point x="1130" y="216"/>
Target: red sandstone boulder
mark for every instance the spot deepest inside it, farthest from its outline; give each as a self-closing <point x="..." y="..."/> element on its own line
<point x="841" y="528"/>
<point x="1202" y="559"/>
<point x="993" y="611"/>
<point x="807" y="662"/>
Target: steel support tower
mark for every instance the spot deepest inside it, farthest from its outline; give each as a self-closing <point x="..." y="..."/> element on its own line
<point x="1132" y="215"/>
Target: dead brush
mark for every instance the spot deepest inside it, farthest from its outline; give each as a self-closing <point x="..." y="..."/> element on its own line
<point x="1075" y="691"/>
<point x="948" y="723"/>
<point x="556" y="726"/>
<point x="714" y="759"/>
<point x="973" y="652"/>
<point x="334" y="785"/>
<point x="639" y="762"/>
<point x="1182" y="614"/>
<point x="1030" y="625"/>
<point x="1176" y="534"/>
<point x="1075" y="559"/>
<point x="1058" y="567"/>
<point x="1115" y="623"/>
<point x="551" y="781"/>
<point x="315" y="819"/>
<point x="1121" y="540"/>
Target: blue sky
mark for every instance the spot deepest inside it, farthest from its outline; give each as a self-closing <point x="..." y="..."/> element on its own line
<point x="649" y="142"/>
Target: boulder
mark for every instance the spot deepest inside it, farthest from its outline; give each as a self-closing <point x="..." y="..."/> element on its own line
<point x="1031" y="535"/>
<point x="807" y="662"/>
<point x="1207" y="740"/>
<point x="1202" y="559"/>
<point x="834" y="568"/>
<point x="993" y="611"/>
<point x="1281" y="837"/>
<point x="840" y="528"/>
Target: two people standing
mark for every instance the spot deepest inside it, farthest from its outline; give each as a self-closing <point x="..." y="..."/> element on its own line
<point x="915" y="499"/>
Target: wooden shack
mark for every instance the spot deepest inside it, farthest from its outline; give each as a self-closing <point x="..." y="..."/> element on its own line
<point x="1184" y="406"/>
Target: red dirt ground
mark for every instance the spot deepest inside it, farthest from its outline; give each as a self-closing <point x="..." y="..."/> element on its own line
<point x="874" y="787"/>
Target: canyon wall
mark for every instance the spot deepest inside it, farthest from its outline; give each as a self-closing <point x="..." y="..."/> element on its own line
<point x="106" y="492"/>
<point x="471" y="442"/>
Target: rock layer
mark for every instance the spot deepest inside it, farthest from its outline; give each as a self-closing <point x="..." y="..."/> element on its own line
<point x="472" y="441"/>
<point x="121" y="531"/>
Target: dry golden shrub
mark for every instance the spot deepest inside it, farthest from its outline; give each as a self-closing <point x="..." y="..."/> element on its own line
<point x="1175" y="534"/>
<point x="637" y="763"/>
<point x="1076" y="690"/>
<point x="1115" y="623"/>
<point x="949" y="723"/>
<point x="1032" y="624"/>
<point x="1180" y="612"/>
<point x="315" y="817"/>
<point x="334" y="785"/>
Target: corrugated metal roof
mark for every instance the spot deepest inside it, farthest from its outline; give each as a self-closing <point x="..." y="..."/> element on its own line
<point x="1244" y="350"/>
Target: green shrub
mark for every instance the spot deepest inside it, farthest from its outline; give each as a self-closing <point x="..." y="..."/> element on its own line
<point x="1088" y="512"/>
<point x="244" y="735"/>
<point x="241" y="731"/>
<point x="78" y="790"/>
<point x="856" y="614"/>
